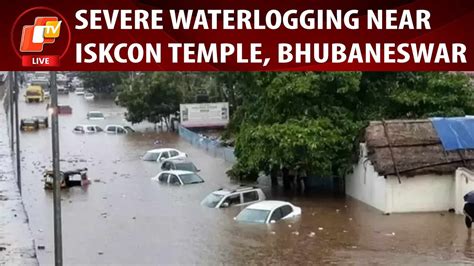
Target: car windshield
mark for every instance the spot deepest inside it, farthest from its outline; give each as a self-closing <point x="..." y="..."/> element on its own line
<point x="191" y="179"/>
<point x="96" y="115"/>
<point x="151" y="156"/>
<point x="129" y="128"/>
<point x="253" y="216"/>
<point x="33" y="93"/>
<point x="212" y="200"/>
<point x="186" y="167"/>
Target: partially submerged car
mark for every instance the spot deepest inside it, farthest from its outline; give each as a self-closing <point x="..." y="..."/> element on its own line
<point x="79" y="91"/>
<point x="62" y="90"/>
<point x="177" y="177"/>
<point x="159" y="155"/>
<point x="179" y="164"/>
<point x="95" y="115"/>
<point x="89" y="96"/>
<point x="68" y="179"/>
<point x="268" y="211"/>
<point x="42" y="121"/>
<point x="90" y="129"/>
<point x="241" y="196"/>
<point x="29" y="124"/>
<point x="118" y="129"/>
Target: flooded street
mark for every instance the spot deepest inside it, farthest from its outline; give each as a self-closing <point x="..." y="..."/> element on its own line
<point x="125" y="218"/>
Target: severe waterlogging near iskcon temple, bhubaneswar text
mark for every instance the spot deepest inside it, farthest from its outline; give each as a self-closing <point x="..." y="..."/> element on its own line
<point x="254" y="20"/>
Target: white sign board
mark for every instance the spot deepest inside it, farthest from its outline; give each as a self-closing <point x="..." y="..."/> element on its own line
<point x="204" y="114"/>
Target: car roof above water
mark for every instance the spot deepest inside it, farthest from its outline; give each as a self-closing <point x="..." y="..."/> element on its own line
<point x="238" y="189"/>
<point x="178" y="172"/>
<point x="178" y="160"/>
<point x="268" y="205"/>
<point x="160" y="150"/>
<point x="86" y="125"/>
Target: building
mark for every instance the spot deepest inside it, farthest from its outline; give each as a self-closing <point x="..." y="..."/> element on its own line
<point x="404" y="167"/>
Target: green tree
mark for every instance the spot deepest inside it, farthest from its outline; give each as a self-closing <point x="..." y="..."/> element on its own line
<point x="152" y="97"/>
<point x="103" y="82"/>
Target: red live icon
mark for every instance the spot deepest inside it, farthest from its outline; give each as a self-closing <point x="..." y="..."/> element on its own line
<point x="40" y="60"/>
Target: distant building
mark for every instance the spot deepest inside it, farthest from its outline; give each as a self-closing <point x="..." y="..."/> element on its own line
<point x="403" y="167"/>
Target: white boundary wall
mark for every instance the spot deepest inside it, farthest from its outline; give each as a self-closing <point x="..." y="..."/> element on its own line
<point x="365" y="184"/>
<point x="423" y="193"/>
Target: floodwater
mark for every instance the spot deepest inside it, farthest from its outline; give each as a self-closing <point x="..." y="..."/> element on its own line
<point x="124" y="218"/>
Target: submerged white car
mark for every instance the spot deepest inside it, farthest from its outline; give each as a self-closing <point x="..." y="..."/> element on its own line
<point x="80" y="91"/>
<point x="178" y="177"/>
<point x="89" y="96"/>
<point x="95" y="115"/>
<point x="241" y="196"/>
<point x="118" y="129"/>
<point x="268" y="211"/>
<point x="159" y="155"/>
<point x="82" y="129"/>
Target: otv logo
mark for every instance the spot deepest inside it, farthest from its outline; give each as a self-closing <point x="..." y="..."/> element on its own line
<point x="44" y="31"/>
<point x="40" y="37"/>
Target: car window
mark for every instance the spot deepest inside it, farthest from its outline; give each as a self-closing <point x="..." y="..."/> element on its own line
<point x="253" y="216"/>
<point x="78" y="128"/>
<point x="111" y="129"/>
<point x="174" y="153"/>
<point x="276" y="215"/>
<point x="151" y="156"/>
<point x="96" y="114"/>
<point x="285" y="210"/>
<point x="186" y="167"/>
<point x="91" y="129"/>
<point x="121" y="130"/>
<point x="98" y="129"/>
<point x="165" y="155"/>
<point x="233" y="199"/>
<point x="212" y="200"/>
<point x="250" y="196"/>
<point x="191" y="178"/>
<point x="163" y="177"/>
<point x="174" y="180"/>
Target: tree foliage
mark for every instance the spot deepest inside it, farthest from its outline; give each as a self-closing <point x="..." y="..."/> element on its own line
<point x="103" y="82"/>
<point x="312" y="120"/>
<point x="151" y="97"/>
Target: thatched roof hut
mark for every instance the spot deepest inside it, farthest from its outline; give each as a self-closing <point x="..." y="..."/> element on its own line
<point x="411" y="147"/>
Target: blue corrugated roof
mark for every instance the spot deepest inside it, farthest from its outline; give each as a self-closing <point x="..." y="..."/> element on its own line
<point x="455" y="133"/>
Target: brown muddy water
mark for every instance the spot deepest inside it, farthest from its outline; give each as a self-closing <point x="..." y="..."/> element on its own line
<point x="124" y="218"/>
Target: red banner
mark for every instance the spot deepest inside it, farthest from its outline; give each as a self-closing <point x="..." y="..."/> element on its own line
<point x="311" y="35"/>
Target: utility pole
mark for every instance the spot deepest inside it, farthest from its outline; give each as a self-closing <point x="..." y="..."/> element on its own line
<point x="10" y="94"/>
<point x="16" y="89"/>
<point x="58" y="244"/>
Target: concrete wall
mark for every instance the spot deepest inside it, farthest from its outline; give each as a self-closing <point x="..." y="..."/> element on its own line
<point x="365" y="184"/>
<point x="423" y="193"/>
<point x="464" y="183"/>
